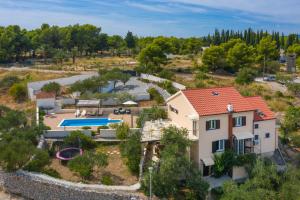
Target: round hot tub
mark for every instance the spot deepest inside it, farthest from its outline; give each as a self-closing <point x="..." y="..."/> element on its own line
<point x="68" y="153"/>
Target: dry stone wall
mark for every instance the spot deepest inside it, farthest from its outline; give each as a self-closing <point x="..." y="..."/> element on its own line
<point x="31" y="186"/>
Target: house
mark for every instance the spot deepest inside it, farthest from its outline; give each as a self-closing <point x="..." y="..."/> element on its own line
<point x="45" y="99"/>
<point x="221" y="118"/>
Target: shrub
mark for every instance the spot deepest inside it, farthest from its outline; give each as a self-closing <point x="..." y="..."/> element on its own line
<point x="245" y="76"/>
<point x="51" y="172"/>
<point x="82" y="166"/>
<point x="106" y="180"/>
<point x="77" y="138"/>
<point x="9" y="81"/>
<point x="40" y="160"/>
<point x="148" y="114"/>
<point x="122" y="131"/>
<point x="167" y="74"/>
<point x="223" y="163"/>
<point x="167" y="85"/>
<point x="86" y="128"/>
<point x="52" y="87"/>
<point x="154" y="94"/>
<point x="18" y="91"/>
<point x="131" y="149"/>
<point x="278" y="94"/>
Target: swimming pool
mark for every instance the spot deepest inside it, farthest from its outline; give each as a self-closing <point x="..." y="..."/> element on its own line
<point x="88" y="122"/>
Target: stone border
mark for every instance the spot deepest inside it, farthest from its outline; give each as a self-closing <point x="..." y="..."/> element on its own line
<point x="39" y="186"/>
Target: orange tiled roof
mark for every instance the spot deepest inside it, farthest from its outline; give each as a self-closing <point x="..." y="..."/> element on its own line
<point x="212" y="101"/>
<point x="45" y="95"/>
<point x="263" y="112"/>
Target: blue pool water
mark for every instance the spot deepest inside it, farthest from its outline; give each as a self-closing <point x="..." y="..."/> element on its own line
<point x="88" y="122"/>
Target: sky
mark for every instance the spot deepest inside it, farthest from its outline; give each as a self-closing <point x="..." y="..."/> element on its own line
<point x="181" y="18"/>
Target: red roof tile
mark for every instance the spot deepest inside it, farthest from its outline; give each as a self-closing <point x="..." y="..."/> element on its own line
<point x="45" y="95"/>
<point x="206" y="103"/>
<point x="263" y="112"/>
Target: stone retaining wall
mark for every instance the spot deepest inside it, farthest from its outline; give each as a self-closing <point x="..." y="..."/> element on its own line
<point x="29" y="185"/>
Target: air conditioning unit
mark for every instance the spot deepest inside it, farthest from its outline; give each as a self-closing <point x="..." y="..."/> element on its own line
<point x="255" y="142"/>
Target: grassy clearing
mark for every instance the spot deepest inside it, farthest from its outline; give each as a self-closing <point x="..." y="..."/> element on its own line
<point x="116" y="173"/>
<point x="92" y="63"/>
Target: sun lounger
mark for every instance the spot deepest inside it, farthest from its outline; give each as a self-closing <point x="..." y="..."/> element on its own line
<point x="77" y="113"/>
<point x="83" y="113"/>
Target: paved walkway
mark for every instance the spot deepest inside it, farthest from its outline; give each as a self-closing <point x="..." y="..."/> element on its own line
<point x="273" y="85"/>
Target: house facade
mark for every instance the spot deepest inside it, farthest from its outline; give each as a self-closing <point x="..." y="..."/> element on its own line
<point x="221" y="118"/>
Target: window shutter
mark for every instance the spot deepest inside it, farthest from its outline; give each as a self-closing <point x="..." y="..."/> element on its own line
<point x="233" y="122"/>
<point x="214" y="146"/>
<point x="207" y="125"/>
<point x="217" y="124"/>
<point x="243" y="121"/>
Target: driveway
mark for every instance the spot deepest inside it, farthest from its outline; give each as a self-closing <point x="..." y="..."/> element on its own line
<point x="273" y="85"/>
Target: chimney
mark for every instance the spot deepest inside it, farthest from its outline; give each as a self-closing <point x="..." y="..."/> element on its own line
<point x="230" y="107"/>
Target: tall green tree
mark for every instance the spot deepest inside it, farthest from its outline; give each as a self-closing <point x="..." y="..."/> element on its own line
<point x="267" y="50"/>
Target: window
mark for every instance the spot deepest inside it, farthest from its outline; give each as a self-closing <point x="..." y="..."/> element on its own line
<point x="212" y="124"/>
<point x="195" y="128"/>
<point x="256" y="126"/>
<point x="218" y="146"/>
<point x="239" y="121"/>
<point x="173" y="109"/>
<point x="256" y="140"/>
<point x="267" y="135"/>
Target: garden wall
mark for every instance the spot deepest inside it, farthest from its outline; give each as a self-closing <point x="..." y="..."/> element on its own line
<point x="111" y="133"/>
<point x="62" y="134"/>
<point x="42" y="187"/>
<point x="159" y="80"/>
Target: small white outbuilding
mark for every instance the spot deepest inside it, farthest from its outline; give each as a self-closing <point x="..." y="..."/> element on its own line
<point x="45" y="100"/>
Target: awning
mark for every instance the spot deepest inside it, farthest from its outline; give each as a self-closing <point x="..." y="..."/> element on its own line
<point x="243" y="135"/>
<point x="193" y="117"/>
<point x="208" y="161"/>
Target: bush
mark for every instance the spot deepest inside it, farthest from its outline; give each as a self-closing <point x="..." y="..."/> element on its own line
<point x="223" y="163"/>
<point x="51" y="172"/>
<point x="18" y="91"/>
<point x="167" y="74"/>
<point x="131" y="149"/>
<point x="86" y="128"/>
<point x="122" y="131"/>
<point x="106" y="180"/>
<point x="82" y="166"/>
<point x="79" y="139"/>
<point x="40" y="160"/>
<point x="148" y="114"/>
<point x="154" y="94"/>
<point x="9" y="81"/>
<point x="245" y="76"/>
<point x="52" y="87"/>
<point x="167" y="85"/>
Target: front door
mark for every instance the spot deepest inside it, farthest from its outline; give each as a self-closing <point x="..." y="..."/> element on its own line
<point x="206" y="170"/>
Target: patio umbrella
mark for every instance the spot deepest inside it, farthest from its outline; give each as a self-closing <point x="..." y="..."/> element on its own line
<point x="130" y="103"/>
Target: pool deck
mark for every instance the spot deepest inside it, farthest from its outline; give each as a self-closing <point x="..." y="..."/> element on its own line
<point x="54" y="121"/>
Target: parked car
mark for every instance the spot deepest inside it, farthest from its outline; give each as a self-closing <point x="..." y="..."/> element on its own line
<point x="270" y="78"/>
